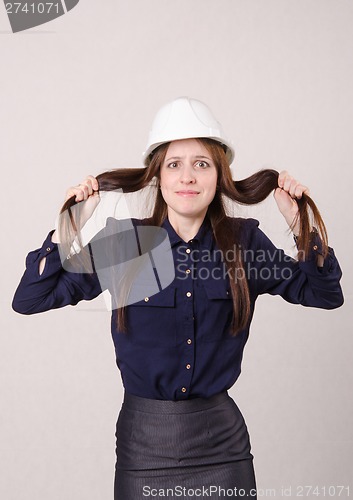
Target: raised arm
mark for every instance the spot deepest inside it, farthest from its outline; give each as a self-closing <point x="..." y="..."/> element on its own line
<point x="45" y="284"/>
<point x="270" y="270"/>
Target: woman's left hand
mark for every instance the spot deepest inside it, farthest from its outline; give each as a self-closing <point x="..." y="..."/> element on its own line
<point x="285" y="195"/>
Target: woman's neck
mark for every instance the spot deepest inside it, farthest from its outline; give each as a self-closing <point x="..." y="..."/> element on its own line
<point x="186" y="227"/>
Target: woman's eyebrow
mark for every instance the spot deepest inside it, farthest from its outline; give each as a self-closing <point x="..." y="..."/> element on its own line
<point x="181" y="157"/>
<point x="173" y="158"/>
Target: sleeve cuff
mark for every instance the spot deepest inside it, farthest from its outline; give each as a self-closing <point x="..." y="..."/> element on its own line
<point x="310" y="263"/>
<point x="47" y="247"/>
<point x="315" y="247"/>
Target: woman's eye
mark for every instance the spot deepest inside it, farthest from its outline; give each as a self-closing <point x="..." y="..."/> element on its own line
<point x="172" y="165"/>
<point x="202" y="164"/>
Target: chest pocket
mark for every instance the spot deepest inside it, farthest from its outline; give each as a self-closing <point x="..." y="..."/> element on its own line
<point x="152" y="320"/>
<point x="217" y="313"/>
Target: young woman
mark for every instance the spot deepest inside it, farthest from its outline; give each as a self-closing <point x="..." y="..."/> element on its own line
<point x="179" y="337"/>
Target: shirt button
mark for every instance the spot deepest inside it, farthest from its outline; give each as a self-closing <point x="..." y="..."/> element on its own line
<point x="188" y="366"/>
<point x="188" y="294"/>
<point x="188" y="250"/>
<point x="147" y="299"/>
<point x="189" y="341"/>
<point x="183" y="389"/>
<point x="187" y="271"/>
<point x="48" y="249"/>
<point x="315" y="247"/>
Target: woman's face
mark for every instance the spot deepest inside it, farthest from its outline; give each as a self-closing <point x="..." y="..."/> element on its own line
<point x="188" y="178"/>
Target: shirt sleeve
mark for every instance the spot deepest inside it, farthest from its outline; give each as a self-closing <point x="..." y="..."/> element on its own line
<point x="271" y="271"/>
<point x="55" y="287"/>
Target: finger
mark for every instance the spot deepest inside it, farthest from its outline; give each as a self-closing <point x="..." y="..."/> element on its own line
<point x="80" y="195"/>
<point x="72" y="191"/>
<point x="281" y="192"/>
<point x="85" y="189"/>
<point x="300" y="189"/>
<point x="77" y="191"/>
<point x="281" y="178"/>
<point x="94" y="182"/>
<point x="293" y="187"/>
<point x="89" y="183"/>
<point x="282" y="196"/>
<point x="287" y="182"/>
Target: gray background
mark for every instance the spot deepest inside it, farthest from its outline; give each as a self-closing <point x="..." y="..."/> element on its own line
<point x="77" y="97"/>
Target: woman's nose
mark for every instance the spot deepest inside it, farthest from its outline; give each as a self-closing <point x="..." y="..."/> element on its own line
<point x="187" y="175"/>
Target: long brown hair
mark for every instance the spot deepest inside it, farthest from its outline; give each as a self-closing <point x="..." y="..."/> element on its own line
<point x="249" y="191"/>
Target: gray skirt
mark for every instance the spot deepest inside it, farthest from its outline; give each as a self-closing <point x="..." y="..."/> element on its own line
<point x="195" y="448"/>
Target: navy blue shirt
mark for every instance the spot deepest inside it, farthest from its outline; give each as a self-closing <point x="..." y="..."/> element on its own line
<point x="178" y="344"/>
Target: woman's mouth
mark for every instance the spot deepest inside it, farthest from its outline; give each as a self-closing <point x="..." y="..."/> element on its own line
<point x="187" y="193"/>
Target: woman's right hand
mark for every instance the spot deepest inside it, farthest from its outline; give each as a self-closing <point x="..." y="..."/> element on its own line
<point x="82" y="191"/>
<point x="87" y="191"/>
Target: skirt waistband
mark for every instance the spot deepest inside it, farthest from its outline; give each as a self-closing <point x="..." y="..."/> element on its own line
<point x="133" y="402"/>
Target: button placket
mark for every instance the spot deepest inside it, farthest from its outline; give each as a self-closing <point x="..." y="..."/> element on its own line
<point x="187" y="292"/>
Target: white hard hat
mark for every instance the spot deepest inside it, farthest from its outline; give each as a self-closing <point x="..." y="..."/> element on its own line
<point x="185" y="118"/>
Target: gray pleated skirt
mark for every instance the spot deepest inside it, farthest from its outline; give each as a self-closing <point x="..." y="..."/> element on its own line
<point x="195" y="448"/>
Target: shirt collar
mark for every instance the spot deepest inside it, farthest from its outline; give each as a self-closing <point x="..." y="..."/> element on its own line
<point x="203" y="236"/>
